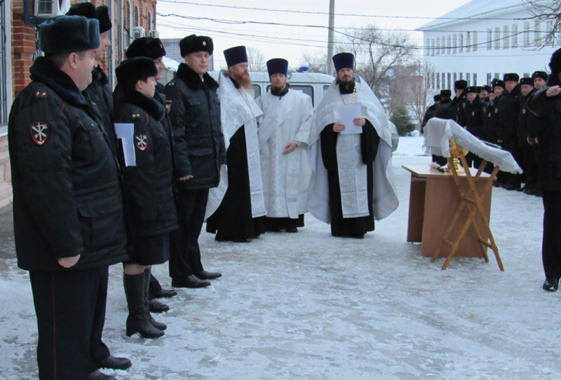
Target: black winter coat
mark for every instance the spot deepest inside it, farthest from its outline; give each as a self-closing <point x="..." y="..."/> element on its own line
<point x="194" y="111"/>
<point x="446" y="110"/>
<point x="509" y="108"/>
<point x="473" y="116"/>
<point x="549" y="137"/>
<point x="149" y="185"/>
<point x="67" y="194"/>
<point x="101" y="98"/>
<point x="490" y="120"/>
<point x="523" y="120"/>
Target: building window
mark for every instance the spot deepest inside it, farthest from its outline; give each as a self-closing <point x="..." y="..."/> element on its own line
<point x="437" y="46"/>
<point x="514" y="35"/>
<point x="468" y="78"/>
<point x="497" y="38"/>
<point x="455" y="46"/>
<point x="461" y="43"/>
<point x="149" y="21"/>
<point x="468" y="42"/>
<point x="461" y="75"/>
<point x="489" y="78"/>
<point x="474" y="41"/>
<point x="5" y="64"/>
<point x="489" y="39"/>
<point x="537" y="33"/>
<point x="497" y="76"/>
<point x="437" y="75"/>
<point x="443" y="45"/>
<point x="448" y="45"/>
<point x="129" y="35"/>
<point x="550" y="33"/>
<point x="474" y="79"/>
<point x="526" y="75"/>
<point x="433" y="47"/>
<point x="527" y="34"/>
<point x="456" y="77"/>
<point x="136" y="16"/>
<point x="506" y="37"/>
<point x="449" y="80"/>
<point x="443" y="76"/>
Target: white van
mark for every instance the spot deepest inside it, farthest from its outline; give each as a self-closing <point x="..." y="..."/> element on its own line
<point x="312" y="84"/>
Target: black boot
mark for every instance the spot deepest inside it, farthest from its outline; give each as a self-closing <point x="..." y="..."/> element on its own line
<point x="138" y="321"/>
<point x="156" y="324"/>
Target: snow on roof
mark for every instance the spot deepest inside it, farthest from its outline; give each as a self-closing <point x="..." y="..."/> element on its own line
<point x="478" y="9"/>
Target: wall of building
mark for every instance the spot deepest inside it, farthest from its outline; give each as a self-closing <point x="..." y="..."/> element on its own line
<point x="480" y="50"/>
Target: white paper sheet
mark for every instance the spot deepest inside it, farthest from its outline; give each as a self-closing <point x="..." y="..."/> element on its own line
<point x="347" y="113"/>
<point x="125" y="134"/>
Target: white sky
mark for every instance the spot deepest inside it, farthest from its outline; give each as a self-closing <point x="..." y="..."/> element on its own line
<point x="290" y="42"/>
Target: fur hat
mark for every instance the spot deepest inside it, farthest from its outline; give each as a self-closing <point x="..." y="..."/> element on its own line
<point x="146" y="47"/>
<point x="528" y="81"/>
<point x="134" y="69"/>
<point x="235" y="55"/>
<point x="437" y="98"/>
<point x="539" y="74"/>
<point x="344" y="61"/>
<point x="104" y="19"/>
<point x="511" y="77"/>
<point x="277" y="66"/>
<point x="486" y="88"/>
<point x="194" y="43"/>
<point x="460" y="84"/>
<point x="473" y="89"/>
<point x="88" y="10"/>
<point x="445" y="93"/>
<point x="555" y="62"/>
<point x="67" y="34"/>
<point x="498" y="83"/>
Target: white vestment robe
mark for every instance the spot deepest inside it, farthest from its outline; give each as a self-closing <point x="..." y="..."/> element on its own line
<point x="286" y="177"/>
<point x="351" y="169"/>
<point x="238" y="109"/>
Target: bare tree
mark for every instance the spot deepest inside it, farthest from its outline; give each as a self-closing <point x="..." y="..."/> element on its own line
<point x="419" y="89"/>
<point x="380" y="56"/>
<point x="256" y="59"/>
<point x="549" y="12"/>
<point x="315" y="63"/>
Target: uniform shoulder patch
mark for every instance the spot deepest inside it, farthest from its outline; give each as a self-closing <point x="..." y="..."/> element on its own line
<point x="141" y="141"/>
<point x="135" y="115"/>
<point x="39" y="132"/>
<point x="170" y="84"/>
<point x="40" y="94"/>
<point x="168" y="106"/>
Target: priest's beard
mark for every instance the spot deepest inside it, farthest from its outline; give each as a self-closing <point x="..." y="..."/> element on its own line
<point x="243" y="81"/>
<point x="346" y="86"/>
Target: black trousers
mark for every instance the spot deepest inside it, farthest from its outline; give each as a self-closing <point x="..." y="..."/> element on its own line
<point x="70" y="308"/>
<point x="185" y="254"/>
<point x="551" y="245"/>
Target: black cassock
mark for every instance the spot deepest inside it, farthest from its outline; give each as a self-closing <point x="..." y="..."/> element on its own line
<point x="369" y="141"/>
<point x="233" y="220"/>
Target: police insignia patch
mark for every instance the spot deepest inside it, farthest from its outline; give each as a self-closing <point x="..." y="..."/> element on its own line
<point x="141" y="141"/>
<point x="168" y="105"/>
<point x="39" y="132"/>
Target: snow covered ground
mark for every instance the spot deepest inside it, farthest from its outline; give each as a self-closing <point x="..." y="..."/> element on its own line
<point x="310" y="306"/>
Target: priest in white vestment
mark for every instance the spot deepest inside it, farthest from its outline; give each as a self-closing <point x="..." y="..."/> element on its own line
<point x="350" y="154"/>
<point x="283" y="135"/>
<point x="235" y="208"/>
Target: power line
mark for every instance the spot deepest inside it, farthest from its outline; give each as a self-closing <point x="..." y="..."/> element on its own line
<point x="347" y="14"/>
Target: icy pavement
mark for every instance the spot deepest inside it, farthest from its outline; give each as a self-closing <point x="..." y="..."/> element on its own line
<point x="310" y="306"/>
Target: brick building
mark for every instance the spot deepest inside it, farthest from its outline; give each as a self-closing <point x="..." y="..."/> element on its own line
<point x="19" y="46"/>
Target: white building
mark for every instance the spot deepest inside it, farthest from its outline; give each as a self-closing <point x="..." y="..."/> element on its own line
<point x="484" y="39"/>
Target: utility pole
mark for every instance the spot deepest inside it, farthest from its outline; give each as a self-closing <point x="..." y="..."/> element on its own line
<point x="330" y="36"/>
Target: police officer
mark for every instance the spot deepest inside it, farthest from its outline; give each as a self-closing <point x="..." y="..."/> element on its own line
<point x="546" y="103"/>
<point x="68" y="209"/>
<point x="459" y="102"/>
<point x="149" y="188"/>
<point x="194" y="111"/>
<point x="525" y="149"/>
<point x="535" y="123"/>
<point x="509" y="108"/>
<point x="153" y="48"/>
<point x="431" y="112"/>
<point x="472" y="111"/>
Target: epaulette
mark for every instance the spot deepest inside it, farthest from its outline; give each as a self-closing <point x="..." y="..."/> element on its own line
<point x="170" y="84"/>
<point x="40" y="94"/>
<point x="135" y="115"/>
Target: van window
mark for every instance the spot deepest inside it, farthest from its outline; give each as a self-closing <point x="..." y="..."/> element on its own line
<point x="325" y="88"/>
<point x="308" y="90"/>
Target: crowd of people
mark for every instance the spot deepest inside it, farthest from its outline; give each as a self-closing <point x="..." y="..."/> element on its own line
<point x="129" y="175"/>
<point x="521" y="116"/>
